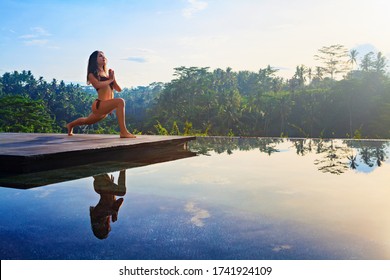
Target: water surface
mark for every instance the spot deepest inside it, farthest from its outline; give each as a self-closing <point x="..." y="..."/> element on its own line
<point x="257" y="198"/>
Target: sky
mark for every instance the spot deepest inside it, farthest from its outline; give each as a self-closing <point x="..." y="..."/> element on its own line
<point x="145" y="40"/>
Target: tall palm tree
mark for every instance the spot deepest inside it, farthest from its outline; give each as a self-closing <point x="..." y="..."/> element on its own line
<point x="380" y="63"/>
<point x="319" y="73"/>
<point x="299" y="75"/>
<point x="367" y="62"/>
<point x="353" y="58"/>
<point x="309" y="74"/>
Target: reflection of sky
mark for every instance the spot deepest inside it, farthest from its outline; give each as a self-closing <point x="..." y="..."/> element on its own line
<point x="283" y="186"/>
<point x="365" y="168"/>
<point x="243" y="205"/>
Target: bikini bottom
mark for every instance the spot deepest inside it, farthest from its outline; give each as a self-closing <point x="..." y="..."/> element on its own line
<point x="98" y="104"/>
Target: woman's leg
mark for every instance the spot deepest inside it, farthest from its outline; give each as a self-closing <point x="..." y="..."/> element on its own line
<point x="117" y="104"/>
<point x="91" y="119"/>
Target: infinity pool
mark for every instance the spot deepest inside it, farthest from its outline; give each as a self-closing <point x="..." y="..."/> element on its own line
<point x="238" y="198"/>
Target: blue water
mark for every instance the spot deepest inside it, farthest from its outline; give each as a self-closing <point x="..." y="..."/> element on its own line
<point x="237" y="199"/>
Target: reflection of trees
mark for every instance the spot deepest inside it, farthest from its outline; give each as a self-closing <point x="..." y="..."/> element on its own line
<point x="333" y="156"/>
<point x="380" y="156"/>
<point x="303" y="146"/>
<point x="203" y="145"/>
<point x="371" y="153"/>
<point x="337" y="157"/>
<point x="353" y="162"/>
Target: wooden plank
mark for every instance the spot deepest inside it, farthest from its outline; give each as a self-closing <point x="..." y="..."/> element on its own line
<point x="28" y="152"/>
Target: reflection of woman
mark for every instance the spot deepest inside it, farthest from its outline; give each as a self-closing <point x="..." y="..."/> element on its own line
<point x="108" y="206"/>
<point x="104" y="82"/>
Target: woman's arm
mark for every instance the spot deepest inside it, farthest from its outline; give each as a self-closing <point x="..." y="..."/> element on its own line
<point x="115" y="85"/>
<point x="99" y="84"/>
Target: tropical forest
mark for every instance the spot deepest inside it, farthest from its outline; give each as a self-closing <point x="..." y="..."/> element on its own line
<point x="342" y="97"/>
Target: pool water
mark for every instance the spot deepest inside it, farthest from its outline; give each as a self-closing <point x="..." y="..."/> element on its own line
<point x="238" y="198"/>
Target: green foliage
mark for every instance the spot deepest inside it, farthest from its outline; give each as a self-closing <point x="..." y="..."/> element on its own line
<point x="22" y="114"/>
<point x="175" y="129"/>
<point x="261" y="104"/>
<point x="222" y="102"/>
<point x="66" y="102"/>
<point x="357" y="134"/>
<point x="187" y="128"/>
<point x="160" y="129"/>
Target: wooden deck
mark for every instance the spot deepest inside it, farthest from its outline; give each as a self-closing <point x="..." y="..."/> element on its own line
<point x="34" y="152"/>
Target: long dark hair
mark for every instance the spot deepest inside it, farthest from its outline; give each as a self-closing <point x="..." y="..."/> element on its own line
<point x="93" y="66"/>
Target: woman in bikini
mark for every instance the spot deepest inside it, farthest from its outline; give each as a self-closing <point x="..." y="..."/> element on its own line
<point x="104" y="82"/>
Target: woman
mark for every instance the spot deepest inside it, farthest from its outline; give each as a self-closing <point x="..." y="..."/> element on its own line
<point x="104" y="82"/>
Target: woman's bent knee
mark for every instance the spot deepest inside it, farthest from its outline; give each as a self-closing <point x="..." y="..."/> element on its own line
<point x="120" y="102"/>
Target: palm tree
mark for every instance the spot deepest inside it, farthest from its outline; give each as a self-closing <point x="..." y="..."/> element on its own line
<point x="319" y="73"/>
<point x="299" y="75"/>
<point x="309" y="74"/>
<point x="380" y="63"/>
<point x="367" y="62"/>
<point x="353" y="58"/>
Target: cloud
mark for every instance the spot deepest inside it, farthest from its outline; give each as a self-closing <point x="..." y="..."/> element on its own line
<point x="37" y="37"/>
<point x="282" y="68"/>
<point x="206" y="179"/>
<point x="194" y="7"/>
<point x="36" y="42"/>
<point x="198" y="214"/>
<point x="282" y="248"/>
<point x="36" y="32"/>
<point x="138" y="59"/>
<point x="140" y="55"/>
<point x="42" y="193"/>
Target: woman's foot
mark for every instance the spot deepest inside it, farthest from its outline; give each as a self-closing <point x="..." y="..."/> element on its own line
<point x="127" y="135"/>
<point x="70" y="130"/>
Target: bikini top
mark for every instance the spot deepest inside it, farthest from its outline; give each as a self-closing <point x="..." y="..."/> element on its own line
<point x="103" y="78"/>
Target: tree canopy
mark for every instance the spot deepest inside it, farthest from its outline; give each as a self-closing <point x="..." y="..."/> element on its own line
<point x="312" y="103"/>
